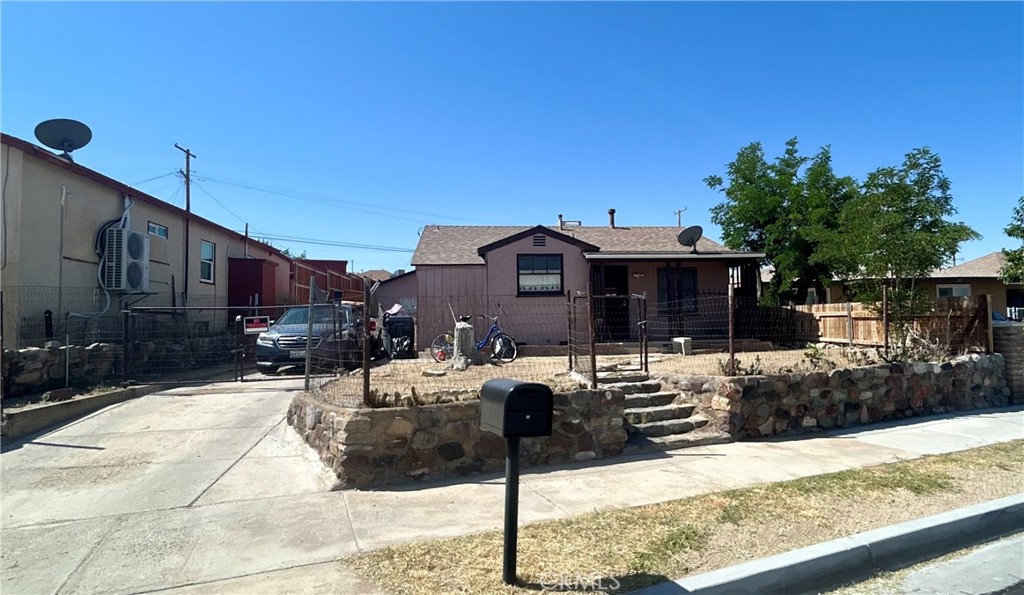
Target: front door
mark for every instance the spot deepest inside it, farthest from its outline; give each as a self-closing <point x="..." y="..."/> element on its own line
<point x="611" y="302"/>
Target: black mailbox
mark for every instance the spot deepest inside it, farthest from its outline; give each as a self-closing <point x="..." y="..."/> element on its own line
<point x="516" y="409"/>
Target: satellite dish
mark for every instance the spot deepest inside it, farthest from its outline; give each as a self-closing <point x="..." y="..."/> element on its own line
<point x="63" y="135"/>
<point x="690" y="235"/>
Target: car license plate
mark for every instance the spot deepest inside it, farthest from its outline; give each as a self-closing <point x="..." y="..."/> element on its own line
<point x="296" y="354"/>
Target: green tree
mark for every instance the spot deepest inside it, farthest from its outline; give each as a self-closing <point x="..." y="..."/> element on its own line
<point x="895" y="231"/>
<point x="783" y="208"/>
<point x="1013" y="269"/>
<point x="289" y="254"/>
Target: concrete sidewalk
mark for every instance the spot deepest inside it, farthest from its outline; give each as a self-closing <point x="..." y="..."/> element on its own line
<point x="205" y="489"/>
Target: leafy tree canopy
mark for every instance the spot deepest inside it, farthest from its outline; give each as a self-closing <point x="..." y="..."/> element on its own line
<point x="1013" y="270"/>
<point x="784" y="208"/>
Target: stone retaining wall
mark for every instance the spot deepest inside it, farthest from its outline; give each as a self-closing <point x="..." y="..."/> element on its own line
<point x="374" y="447"/>
<point x="35" y="369"/>
<point x="1008" y="340"/>
<point x="749" y="406"/>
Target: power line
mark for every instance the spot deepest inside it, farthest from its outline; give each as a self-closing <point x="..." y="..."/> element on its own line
<point x="154" y="178"/>
<point x="217" y="201"/>
<point x="335" y="202"/>
<point x="321" y="242"/>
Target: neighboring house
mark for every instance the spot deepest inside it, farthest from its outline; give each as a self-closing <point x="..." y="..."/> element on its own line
<point x="400" y="289"/>
<point x="972" y="278"/>
<point x="977" y="277"/>
<point x="376" y="274"/>
<point x="53" y="214"/>
<point x="532" y="271"/>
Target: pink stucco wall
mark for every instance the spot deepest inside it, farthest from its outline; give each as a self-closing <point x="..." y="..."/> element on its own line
<point x="537" y="320"/>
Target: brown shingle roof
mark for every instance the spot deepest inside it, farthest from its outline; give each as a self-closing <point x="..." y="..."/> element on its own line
<point x="376" y="274"/>
<point x="458" y="244"/>
<point x="986" y="266"/>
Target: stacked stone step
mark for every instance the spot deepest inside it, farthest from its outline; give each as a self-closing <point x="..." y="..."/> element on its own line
<point x="658" y="420"/>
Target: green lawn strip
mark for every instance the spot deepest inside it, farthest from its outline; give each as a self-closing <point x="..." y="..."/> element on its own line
<point x="635" y="547"/>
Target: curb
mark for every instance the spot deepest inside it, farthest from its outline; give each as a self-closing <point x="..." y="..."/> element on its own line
<point x="857" y="557"/>
<point x="20" y="423"/>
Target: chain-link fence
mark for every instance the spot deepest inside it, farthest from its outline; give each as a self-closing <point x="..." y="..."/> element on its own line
<point x="581" y="348"/>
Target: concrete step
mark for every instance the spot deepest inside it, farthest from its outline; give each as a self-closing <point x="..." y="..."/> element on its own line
<point x="667" y="427"/>
<point x="630" y="388"/>
<point x="620" y="377"/>
<point x="658" y="399"/>
<point x="638" y="444"/>
<point x="639" y="415"/>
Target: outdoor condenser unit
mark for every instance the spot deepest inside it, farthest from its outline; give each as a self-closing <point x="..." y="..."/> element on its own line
<point x="126" y="267"/>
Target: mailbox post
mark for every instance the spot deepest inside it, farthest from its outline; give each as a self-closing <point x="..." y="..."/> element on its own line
<point x="514" y="410"/>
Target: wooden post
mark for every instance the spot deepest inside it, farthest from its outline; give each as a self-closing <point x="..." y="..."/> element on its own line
<point x="568" y="324"/>
<point x="885" y="318"/>
<point x="988" y="322"/>
<point x="592" y="339"/>
<point x="732" y="333"/>
<point x="849" y="323"/>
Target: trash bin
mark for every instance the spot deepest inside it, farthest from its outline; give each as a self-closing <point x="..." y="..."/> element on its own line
<point x="402" y="330"/>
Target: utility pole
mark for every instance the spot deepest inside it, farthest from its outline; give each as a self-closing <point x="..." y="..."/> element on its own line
<point x="188" y="210"/>
<point x="679" y="217"/>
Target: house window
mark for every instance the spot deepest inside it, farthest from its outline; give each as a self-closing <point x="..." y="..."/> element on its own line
<point x="954" y="290"/>
<point x="539" y="274"/>
<point x="207" y="254"/>
<point x="677" y="290"/>
<point x="155" y="229"/>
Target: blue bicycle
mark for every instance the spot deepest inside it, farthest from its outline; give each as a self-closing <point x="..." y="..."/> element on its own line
<point x="503" y="346"/>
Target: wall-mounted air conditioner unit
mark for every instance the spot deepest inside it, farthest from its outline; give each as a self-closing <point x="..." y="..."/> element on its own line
<point x="126" y="267"/>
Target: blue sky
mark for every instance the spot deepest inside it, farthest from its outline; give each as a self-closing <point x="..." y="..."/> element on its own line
<point x="376" y="119"/>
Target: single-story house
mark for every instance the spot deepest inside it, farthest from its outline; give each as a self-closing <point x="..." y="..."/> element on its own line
<point x="529" y="274"/>
<point x="972" y="278"/>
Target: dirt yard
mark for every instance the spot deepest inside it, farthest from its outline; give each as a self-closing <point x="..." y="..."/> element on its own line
<point x="425" y="380"/>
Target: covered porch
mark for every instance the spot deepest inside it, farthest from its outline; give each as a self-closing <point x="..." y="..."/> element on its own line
<point x="678" y="294"/>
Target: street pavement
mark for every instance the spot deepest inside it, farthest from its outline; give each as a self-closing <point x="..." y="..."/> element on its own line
<point x="206" y="490"/>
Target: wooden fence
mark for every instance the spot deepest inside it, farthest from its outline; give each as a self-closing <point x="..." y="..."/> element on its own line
<point x="961" y="323"/>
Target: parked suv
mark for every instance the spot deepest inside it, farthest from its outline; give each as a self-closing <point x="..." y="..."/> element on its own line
<point x="284" y="344"/>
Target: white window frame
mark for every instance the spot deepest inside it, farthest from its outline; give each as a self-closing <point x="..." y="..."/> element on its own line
<point x="952" y="287"/>
<point x="155" y="229"/>
<point x="212" y="262"/>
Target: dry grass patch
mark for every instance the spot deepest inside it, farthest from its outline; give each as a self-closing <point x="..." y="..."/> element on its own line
<point x="631" y="548"/>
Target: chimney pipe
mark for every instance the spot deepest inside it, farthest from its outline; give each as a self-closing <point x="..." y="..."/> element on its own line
<point x="611" y="218"/>
<point x="561" y="223"/>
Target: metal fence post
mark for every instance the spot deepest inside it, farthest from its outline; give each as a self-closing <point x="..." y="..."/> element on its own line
<point x="239" y="346"/>
<point x="126" y="350"/>
<point x="366" y="343"/>
<point x="309" y="326"/>
<point x="647" y="339"/>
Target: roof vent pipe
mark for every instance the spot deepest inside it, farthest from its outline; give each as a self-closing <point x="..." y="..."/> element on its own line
<point x="561" y="222"/>
<point x="611" y="218"/>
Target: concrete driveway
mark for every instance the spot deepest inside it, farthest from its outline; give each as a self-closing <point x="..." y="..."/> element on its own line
<point x="182" y="487"/>
<point x="207" y="490"/>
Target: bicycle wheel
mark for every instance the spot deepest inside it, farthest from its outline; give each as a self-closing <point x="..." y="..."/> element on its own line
<point x="442" y="348"/>
<point x="504" y="348"/>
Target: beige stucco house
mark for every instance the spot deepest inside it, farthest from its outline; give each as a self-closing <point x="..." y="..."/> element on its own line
<point x="972" y="278"/>
<point x="53" y="213"/>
